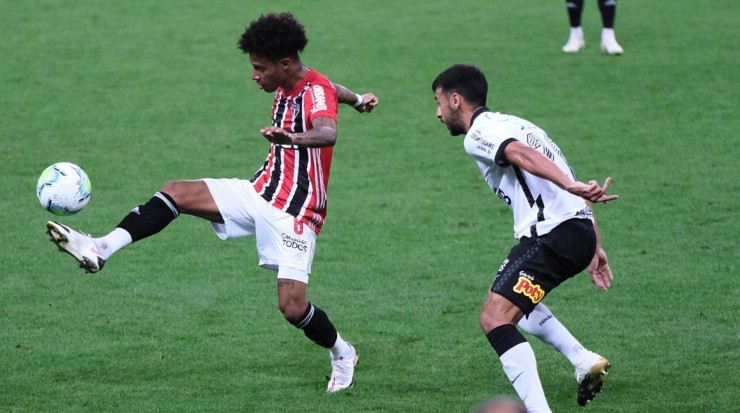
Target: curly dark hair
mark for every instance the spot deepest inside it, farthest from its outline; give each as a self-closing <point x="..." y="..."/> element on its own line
<point x="274" y="36"/>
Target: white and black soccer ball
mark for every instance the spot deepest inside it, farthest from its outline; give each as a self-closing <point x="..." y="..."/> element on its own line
<point x="63" y="189"/>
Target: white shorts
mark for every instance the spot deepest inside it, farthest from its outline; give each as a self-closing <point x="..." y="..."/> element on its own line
<point x="284" y="244"/>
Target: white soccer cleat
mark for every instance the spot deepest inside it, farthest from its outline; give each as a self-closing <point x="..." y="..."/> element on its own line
<point x="576" y="42"/>
<point x="79" y="245"/>
<point x="590" y="376"/>
<point x="609" y="43"/>
<point x="342" y="372"/>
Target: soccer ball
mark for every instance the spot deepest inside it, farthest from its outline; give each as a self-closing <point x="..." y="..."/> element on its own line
<point x="63" y="189"/>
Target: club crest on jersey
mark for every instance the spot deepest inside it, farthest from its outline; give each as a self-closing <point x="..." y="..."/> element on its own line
<point x="529" y="289"/>
<point x="533" y="141"/>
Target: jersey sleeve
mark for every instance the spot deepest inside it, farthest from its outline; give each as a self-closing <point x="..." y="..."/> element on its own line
<point x="321" y="100"/>
<point x="500" y="158"/>
<point x="488" y="140"/>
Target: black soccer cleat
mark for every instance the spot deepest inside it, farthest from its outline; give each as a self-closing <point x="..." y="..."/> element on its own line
<point x="592" y="381"/>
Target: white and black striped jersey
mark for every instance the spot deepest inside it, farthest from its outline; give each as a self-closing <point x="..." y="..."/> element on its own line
<point x="538" y="204"/>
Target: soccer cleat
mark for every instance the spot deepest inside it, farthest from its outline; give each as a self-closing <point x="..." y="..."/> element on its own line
<point x="342" y="372"/>
<point x="609" y="43"/>
<point x="575" y="43"/>
<point x="79" y="245"/>
<point x="590" y="377"/>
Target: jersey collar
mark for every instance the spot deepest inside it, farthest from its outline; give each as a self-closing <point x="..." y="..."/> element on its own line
<point x="478" y="112"/>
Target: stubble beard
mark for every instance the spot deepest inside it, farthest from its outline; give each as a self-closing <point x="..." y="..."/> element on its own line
<point x="455" y="126"/>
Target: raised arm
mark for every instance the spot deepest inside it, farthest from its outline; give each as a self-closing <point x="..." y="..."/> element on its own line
<point x="532" y="161"/>
<point x="362" y="103"/>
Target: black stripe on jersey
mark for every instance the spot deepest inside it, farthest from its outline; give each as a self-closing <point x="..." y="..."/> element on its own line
<point x="298" y="114"/>
<point x="523" y="184"/>
<point x="259" y="172"/>
<point x="277" y="117"/>
<point x="269" y="192"/>
<point x="300" y="195"/>
<point x="530" y="198"/>
<point x="500" y="158"/>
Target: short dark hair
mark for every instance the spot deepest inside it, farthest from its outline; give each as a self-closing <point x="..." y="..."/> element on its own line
<point x="466" y="80"/>
<point x="274" y="36"/>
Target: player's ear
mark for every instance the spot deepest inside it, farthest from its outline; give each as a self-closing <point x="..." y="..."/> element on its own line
<point x="455" y="100"/>
<point x="285" y="63"/>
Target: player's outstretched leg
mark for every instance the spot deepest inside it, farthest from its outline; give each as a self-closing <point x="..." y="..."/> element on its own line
<point x="80" y="246"/>
<point x="590" y="367"/>
<point x="143" y="221"/>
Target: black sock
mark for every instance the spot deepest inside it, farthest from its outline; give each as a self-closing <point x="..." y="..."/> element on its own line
<point x="150" y="218"/>
<point x="575" y="9"/>
<point x="608" y="9"/>
<point x="503" y="338"/>
<point x="317" y="327"/>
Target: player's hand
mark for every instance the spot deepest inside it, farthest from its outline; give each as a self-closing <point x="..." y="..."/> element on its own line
<point x="601" y="274"/>
<point x="278" y="136"/>
<point x="592" y="191"/>
<point x="369" y="102"/>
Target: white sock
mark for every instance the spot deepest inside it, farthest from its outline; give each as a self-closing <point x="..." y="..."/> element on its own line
<point x="608" y="34"/>
<point x="542" y="324"/>
<point x="341" y="348"/>
<point x="116" y="240"/>
<point x="576" y="31"/>
<point x="520" y="367"/>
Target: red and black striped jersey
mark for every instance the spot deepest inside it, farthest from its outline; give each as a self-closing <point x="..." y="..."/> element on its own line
<point x="294" y="178"/>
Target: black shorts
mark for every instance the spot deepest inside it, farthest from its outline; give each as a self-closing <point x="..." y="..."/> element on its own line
<point x="537" y="265"/>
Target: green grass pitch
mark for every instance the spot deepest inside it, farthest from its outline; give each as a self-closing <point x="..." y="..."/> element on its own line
<point x="142" y="92"/>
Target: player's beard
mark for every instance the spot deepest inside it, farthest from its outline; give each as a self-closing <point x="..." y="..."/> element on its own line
<point x="268" y="87"/>
<point x="455" y="124"/>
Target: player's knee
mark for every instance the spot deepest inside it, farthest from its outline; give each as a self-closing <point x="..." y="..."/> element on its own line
<point x="172" y="189"/>
<point x="293" y="317"/>
<point x="498" y="311"/>
<point x="184" y="193"/>
<point x="489" y="321"/>
<point x="292" y="311"/>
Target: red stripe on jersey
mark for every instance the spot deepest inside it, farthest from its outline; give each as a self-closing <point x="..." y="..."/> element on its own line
<point x="262" y="176"/>
<point x="294" y="179"/>
<point x="285" y="182"/>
